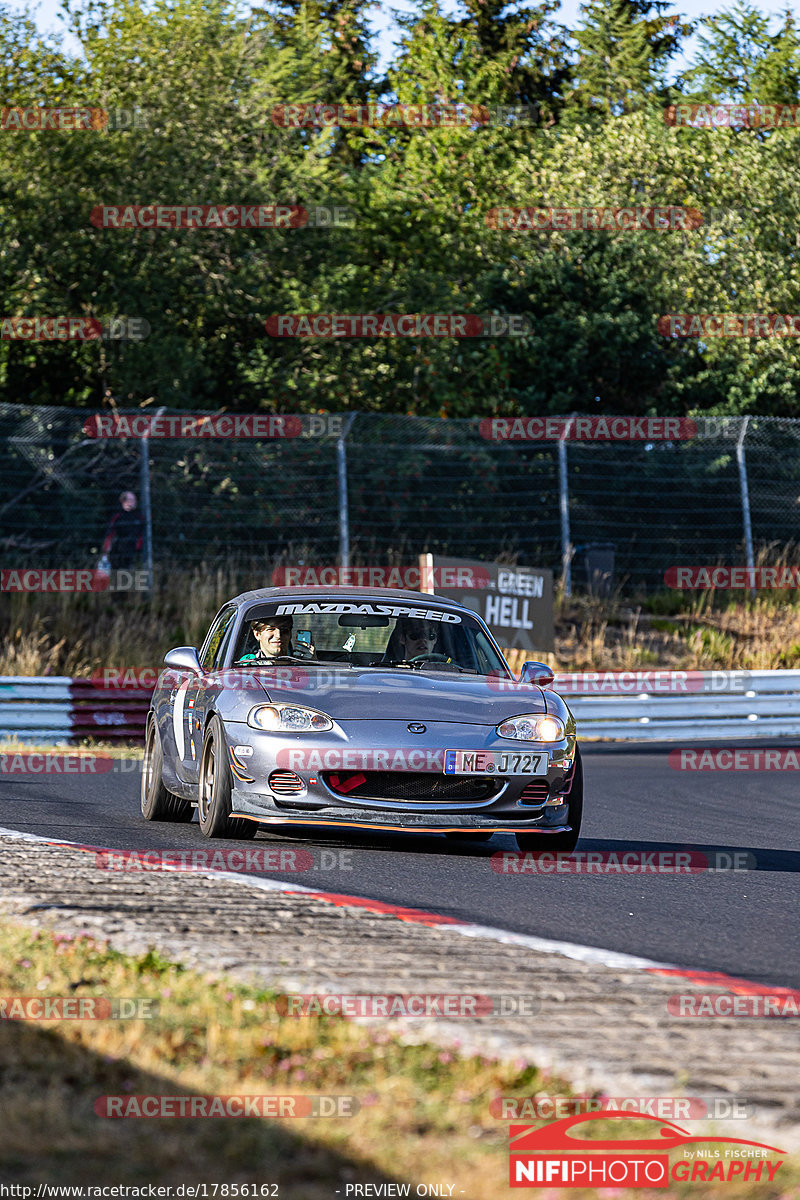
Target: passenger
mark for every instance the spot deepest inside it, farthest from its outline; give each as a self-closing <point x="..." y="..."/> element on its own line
<point x="414" y="638"/>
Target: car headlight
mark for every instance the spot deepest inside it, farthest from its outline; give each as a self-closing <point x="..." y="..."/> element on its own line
<point x="288" y="718"/>
<point x="533" y="727"/>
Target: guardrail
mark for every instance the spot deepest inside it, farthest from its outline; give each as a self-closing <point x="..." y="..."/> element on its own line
<point x="689" y="706"/>
<point x="63" y="709"/>
<point x="638" y="706"/>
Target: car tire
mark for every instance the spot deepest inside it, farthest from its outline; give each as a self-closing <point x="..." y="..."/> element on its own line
<point x="214" y="790"/>
<point x="157" y="803"/>
<point x="560" y="843"/>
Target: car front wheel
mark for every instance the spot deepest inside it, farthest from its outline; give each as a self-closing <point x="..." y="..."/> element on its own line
<point x="561" y="843"/>
<point x="214" y="795"/>
<point x="157" y="803"/>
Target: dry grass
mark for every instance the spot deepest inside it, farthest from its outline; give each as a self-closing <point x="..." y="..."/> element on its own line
<point x="78" y="635"/>
<point x="424" y="1111"/>
<point x="215" y="1037"/>
<point x="746" y="634"/>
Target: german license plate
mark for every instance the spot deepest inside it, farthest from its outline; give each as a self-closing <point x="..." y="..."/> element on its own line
<point x="495" y="762"/>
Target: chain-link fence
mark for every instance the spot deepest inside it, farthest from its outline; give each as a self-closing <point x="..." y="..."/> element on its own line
<point x="380" y="490"/>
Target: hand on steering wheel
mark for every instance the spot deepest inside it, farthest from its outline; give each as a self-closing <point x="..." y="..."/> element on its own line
<point x="429" y="658"/>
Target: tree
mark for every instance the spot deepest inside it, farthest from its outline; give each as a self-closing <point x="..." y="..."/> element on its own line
<point x="624" y="47"/>
<point x="741" y="60"/>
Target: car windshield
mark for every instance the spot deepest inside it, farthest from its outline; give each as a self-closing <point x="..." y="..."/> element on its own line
<point x="367" y="633"/>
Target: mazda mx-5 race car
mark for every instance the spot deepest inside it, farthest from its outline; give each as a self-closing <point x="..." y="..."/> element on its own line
<point x="365" y="708"/>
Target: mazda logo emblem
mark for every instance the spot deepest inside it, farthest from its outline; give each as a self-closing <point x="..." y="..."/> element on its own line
<point x="416" y="728"/>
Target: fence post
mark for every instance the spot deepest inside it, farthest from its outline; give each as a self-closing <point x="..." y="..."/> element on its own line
<point x="344" y="510"/>
<point x="563" y="492"/>
<point x="147" y="511"/>
<point x="748" y="529"/>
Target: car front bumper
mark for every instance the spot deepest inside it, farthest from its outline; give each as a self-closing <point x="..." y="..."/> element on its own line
<point x="256" y="756"/>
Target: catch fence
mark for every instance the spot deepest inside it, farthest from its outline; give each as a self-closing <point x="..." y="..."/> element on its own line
<point x="380" y="490"/>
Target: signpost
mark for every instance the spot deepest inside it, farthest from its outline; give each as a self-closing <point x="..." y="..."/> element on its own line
<point x="515" y="602"/>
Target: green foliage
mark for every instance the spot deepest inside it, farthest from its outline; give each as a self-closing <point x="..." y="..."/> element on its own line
<point x="624" y="47"/>
<point x="740" y="59"/>
<point x="208" y="76"/>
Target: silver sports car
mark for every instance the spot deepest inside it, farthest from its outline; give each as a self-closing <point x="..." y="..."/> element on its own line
<point x="360" y="707"/>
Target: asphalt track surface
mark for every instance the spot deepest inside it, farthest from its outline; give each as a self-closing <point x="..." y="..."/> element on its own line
<point x="744" y="923"/>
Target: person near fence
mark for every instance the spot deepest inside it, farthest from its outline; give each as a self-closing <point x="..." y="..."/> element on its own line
<point x="125" y="534"/>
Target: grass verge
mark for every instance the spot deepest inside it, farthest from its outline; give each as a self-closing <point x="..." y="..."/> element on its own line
<point x="424" y="1113"/>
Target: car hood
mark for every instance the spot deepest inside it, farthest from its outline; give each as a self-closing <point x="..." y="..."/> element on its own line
<point x="402" y="695"/>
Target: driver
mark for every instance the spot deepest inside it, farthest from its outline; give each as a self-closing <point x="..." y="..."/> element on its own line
<point x="415" y="637"/>
<point x="274" y="637"/>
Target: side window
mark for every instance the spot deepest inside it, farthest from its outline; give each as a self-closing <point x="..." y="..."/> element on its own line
<point x="486" y="656"/>
<point x="222" y="649"/>
<point x="213" y="642"/>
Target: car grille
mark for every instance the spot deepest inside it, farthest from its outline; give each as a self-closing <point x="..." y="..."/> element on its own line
<point x="535" y="793"/>
<point x="286" y="783"/>
<point x="411" y="786"/>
